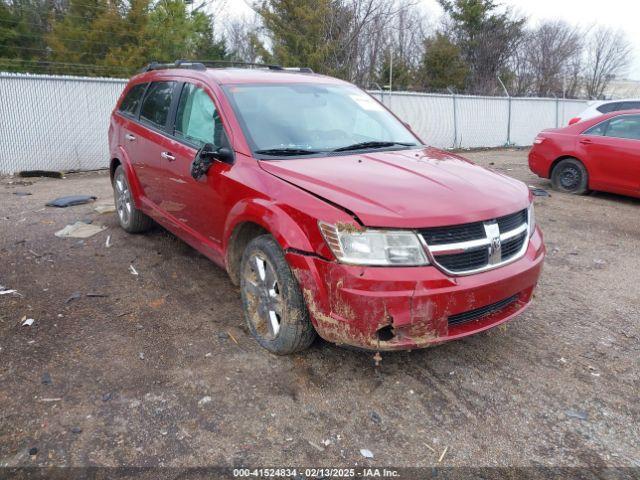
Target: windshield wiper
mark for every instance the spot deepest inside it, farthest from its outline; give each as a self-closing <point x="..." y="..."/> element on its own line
<point x="372" y="144"/>
<point x="286" y="151"/>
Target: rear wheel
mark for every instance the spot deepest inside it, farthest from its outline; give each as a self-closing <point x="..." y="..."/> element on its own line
<point x="570" y="176"/>
<point x="131" y="219"/>
<point x="273" y="304"/>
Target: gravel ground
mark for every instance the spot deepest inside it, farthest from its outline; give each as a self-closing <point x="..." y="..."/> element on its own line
<point x="160" y="371"/>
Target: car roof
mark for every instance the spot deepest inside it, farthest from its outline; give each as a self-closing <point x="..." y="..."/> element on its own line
<point x="231" y="75"/>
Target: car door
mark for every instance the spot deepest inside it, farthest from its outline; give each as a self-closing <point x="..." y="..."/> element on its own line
<point x="197" y="203"/>
<point x="129" y="110"/>
<point x="151" y="139"/>
<point x="613" y="152"/>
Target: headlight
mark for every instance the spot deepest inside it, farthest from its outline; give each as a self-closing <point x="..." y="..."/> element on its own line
<point x="532" y="219"/>
<point x="374" y="247"/>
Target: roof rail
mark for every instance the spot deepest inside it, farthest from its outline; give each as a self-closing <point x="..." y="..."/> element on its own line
<point x="204" y="64"/>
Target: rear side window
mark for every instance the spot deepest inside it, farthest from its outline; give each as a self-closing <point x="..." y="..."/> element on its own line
<point x="625" y="126"/>
<point x="630" y="105"/>
<point x="598" y="129"/>
<point x="197" y="119"/>
<point x="132" y="100"/>
<point x="609" y="107"/>
<point x="157" y="103"/>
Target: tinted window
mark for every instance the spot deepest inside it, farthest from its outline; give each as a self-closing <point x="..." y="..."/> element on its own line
<point x="630" y="105"/>
<point x="609" y="107"/>
<point x="132" y="100"/>
<point x="627" y="126"/>
<point x="156" y="104"/>
<point x="598" y="129"/>
<point x="197" y="119"/>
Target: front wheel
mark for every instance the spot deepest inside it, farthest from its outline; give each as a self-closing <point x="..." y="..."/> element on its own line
<point x="131" y="219"/>
<point x="274" y="308"/>
<point x="570" y="176"/>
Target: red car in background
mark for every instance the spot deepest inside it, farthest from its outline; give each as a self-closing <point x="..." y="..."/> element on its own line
<point x="601" y="153"/>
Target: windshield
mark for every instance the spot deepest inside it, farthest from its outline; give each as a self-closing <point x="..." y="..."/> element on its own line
<point x="307" y="119"/>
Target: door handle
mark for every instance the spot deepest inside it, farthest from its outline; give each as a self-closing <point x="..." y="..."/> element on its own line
<point x="168" y="156"/>
<point x="586" y="141"/>
<point x="130" y="137"/>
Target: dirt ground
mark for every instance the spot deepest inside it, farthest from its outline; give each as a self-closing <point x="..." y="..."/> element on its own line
<point x="160" y="371"/>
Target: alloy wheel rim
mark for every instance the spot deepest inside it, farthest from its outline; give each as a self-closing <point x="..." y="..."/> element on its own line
<point x="123" y="199"/>
<point x="263" y="295"/>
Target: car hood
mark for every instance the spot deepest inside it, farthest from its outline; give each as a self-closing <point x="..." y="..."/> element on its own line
<point x="406" y="189"/>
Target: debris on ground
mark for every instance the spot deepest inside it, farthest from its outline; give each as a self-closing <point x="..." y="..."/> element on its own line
<point x="233" y="338"/>
<point x="204" y="400"/>
<point x="316" y="446"/>
<point x="6" y="291"/>
<point x="366" y="453"/>
<point x="577" y="414"/>
<point x="97" y="295"/>
<point x="429" y="447"/>
<point x="22" y="194"/>
<point x="39" y="173"/>
<point x="107" y="396"/>
<point x="133" y="270"/>
<point x="46" y="379"/>
<point x="107" y="242"/>
<point x="375" y="417"/>
<point x="377" y="358"/>
<point x="27" y="322"/>
<point x="539" y="192"/>
<point x="33" y="451"/>
<point x="71" y="201"/>
<point x="141" y="355"/>
<point x="599" y="263"/>
<point x="105" y="208"/>
<point x="74" y="296"/>
<point x="79" y="230"/>
<point x="444" y="452"/>
<point x="76" y="430"/>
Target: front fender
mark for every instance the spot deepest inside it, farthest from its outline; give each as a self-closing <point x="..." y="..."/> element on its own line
<point x="272" y="218"/>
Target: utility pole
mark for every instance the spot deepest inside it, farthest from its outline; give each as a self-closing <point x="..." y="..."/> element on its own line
<point x="390" y="69"/>
<point x="509" y="111"/>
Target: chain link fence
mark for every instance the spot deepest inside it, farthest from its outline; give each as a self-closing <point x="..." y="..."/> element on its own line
<point x="60" y="122"/>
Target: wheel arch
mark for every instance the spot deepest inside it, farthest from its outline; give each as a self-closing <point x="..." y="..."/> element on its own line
<point x="251" y="218"/>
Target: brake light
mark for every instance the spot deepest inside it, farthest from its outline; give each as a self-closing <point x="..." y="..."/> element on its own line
<point x="574" y="120"/>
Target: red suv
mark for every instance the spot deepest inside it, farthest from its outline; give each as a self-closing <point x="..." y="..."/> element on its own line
<point x="327" y="210"/>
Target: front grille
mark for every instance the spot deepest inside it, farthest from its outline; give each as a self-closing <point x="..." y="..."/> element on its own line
<point x="512" y="246"/>
<point x="510" y="222"/>
<point x="457" y="233"/>
<point x="477" y="246"/>
<point x="478" y="313"/>
<point x="465" y="261"/>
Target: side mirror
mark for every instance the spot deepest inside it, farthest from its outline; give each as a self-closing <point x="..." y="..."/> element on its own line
<point x="206" y="156"/>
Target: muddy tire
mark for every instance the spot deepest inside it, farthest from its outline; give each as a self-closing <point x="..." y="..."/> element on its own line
<point x="274" y="308"/>
<point x="131" y="219"/>
<point x="570" y="176"/>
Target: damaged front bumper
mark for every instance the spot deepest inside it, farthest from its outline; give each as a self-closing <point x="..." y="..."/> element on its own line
<point x="404" y="308"/>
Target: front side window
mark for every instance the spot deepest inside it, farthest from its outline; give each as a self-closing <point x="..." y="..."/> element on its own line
<point x="197" y="119"/>
<point x="132" y="100"/>
<point x="314" y="118"/>
<point x="626" y="126"/>
<point x="157" y="102"/>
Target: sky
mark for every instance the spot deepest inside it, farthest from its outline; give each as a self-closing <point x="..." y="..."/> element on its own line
<point x="619" y="14"/>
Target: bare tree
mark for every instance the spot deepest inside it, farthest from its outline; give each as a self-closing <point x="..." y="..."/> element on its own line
<point x="553" y="53"/>
<point x="608" y="56"/>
